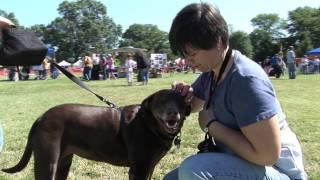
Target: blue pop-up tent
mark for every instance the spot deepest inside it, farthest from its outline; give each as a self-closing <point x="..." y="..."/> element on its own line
<point x="314" y="51"/>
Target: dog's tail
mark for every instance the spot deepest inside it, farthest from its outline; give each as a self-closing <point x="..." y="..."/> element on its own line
<point x="26" y="155"/>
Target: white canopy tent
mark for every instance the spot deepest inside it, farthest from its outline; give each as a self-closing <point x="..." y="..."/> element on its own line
<point x="64" y="63"/>
<point x="129" y="49"/>
<point x="79" y="63"/>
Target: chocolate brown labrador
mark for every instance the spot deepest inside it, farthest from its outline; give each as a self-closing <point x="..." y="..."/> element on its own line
<point x="136" y="136"/>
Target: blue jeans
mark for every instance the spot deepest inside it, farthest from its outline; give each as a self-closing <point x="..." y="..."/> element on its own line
<point x="144" y="74"/>
<point x="104" y="73"/>
<point x="292" y="70"/>
<point x="221" y="166"/>
<point x="87" y="73"/>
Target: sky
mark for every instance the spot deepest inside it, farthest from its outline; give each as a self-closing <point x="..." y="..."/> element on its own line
<point x="238" y="13"/>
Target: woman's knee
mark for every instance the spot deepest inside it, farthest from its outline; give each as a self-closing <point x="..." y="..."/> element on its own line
<point x="224" y="166"/>
<point x="172" y="175"/>
<point x="184" y="171"/>
<point x="195" y="167"/>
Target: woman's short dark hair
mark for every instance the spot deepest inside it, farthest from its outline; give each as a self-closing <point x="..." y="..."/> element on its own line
<point x="200" y="26"/>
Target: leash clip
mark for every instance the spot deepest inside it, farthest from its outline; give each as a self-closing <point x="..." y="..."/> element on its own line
<point x="177" y="140"/>
<point x="110" y="104"/>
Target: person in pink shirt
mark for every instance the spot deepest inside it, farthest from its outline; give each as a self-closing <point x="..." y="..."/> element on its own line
<point x="110" y="67"/>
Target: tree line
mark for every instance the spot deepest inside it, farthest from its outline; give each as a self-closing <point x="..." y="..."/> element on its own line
<point x="84" y="26"/>
<point x="272" y="34"/>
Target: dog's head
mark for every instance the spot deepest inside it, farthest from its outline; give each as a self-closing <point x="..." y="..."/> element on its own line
<point x="169" y="109"/>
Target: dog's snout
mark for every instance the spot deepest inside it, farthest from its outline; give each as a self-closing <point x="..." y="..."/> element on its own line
<point x="173" y="114"/>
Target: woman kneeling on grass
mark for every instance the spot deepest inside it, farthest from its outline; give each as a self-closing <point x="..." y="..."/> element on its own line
<point x="237" y="103"/>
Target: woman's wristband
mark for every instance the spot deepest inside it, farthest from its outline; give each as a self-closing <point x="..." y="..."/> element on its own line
<point x="206" y="129"/>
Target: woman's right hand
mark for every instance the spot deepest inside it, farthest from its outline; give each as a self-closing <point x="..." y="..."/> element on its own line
<point x="184" y="89"/>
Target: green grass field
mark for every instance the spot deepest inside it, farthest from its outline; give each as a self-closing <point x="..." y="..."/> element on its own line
<point x="22" y="102"/>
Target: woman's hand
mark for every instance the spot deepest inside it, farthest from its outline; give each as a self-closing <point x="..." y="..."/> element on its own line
<point x="185" y="90"/>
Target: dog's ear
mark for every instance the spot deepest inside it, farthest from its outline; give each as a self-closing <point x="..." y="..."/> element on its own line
<point x="188" y="110"/>
<point x="146" y="103"/>
<point x="130" y="113"/>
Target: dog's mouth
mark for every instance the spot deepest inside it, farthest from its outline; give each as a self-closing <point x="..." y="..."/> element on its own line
<point x="169" y="124"/>
<point x="172" y="124"/>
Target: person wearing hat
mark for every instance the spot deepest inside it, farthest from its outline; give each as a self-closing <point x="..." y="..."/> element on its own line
<point x="291" y="61"/>
<point x="4" y="24"/>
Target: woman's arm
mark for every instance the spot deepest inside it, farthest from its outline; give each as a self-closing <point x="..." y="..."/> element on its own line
<point x="258" y="143"/>
<point x="196" y="104"/>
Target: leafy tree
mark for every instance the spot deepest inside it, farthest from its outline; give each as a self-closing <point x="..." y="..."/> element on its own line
<point x="267" y="36"/>
<point x="270" y="23"/>
<point x="83" y="27"/>
<point x="304" y="26"/>
<point x="241" y="41"/>
<point x="39" y="30"/>
<point x="146" y="36"/>
<point x="263" y="44"/>
<point x="304" y="45"/>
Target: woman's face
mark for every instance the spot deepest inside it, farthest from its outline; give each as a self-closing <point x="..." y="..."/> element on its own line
<point x="205" y="60"/>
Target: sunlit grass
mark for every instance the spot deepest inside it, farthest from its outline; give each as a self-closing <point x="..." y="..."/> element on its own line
<point x="22" y="102"/>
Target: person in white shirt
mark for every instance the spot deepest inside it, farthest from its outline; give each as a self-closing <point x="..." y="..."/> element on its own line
<point x="129" y="65"/>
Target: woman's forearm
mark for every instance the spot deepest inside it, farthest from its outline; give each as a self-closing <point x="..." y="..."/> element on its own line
<point x="196" y="104"/>
<point x="238" y="143"/>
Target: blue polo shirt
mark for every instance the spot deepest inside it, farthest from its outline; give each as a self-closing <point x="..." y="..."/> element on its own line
<point x="243" y="97"/>
<point x="246" y="96"/>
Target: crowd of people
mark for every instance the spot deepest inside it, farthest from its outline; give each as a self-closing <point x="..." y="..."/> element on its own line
<point x="41" y="71"/>
<point x="96" y="65"/>
<point x="274" y="66"/>
<point x="310" y="65"/>
<point x="277" y="65"/>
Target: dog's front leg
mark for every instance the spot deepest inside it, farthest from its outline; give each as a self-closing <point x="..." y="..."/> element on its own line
<point x="140" y="171"/>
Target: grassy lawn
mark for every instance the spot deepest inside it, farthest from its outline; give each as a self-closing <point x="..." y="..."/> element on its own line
<point x="22" y="102"/>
